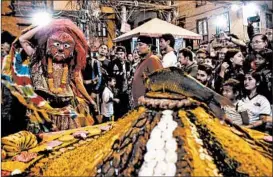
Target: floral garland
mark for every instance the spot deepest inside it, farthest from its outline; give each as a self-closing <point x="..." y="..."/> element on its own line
<point x="51" y="79"/>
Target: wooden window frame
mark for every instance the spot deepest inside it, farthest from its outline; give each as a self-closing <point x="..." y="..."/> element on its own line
<point x="217" y="28"/>
<point x="207" y="30"/>
<point x="100" y="27"/>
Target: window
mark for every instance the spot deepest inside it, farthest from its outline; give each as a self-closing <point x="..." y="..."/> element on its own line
<point x="101" y="30"/>
<point x="268" y="20"/>
<point x="202" y="28"/>
<point x="181" y="22"/>
<point x="200" y="3"/>
<point x="222" y="23"/>
<point x="38" y="4"/>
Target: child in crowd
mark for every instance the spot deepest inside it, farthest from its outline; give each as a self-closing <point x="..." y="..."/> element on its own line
<point x="210" y="61"/>
<point x="231" y="89"/>
<point x="107" y="106"/>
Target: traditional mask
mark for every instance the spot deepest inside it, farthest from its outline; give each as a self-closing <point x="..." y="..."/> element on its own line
<point x="60" y="46"/>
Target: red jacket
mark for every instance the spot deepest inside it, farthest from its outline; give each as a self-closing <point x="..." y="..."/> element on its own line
<point x="148" y="65"/>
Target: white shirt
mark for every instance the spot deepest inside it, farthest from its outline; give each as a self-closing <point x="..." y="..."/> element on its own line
<point x="256" y="106"/>
<point x="232" y="114"/>
<point x="107" y="108"/>
<point x="169" y="59"/>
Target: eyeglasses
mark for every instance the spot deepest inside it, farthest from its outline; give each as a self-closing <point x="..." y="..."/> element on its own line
<point x="256" y="42"/>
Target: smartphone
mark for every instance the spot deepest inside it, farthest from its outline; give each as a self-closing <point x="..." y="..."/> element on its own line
<point x="254" y="19"/>
<point x="245" y="117"/>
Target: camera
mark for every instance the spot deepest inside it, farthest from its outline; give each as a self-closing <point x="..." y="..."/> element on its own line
<point x="254" y="19"/>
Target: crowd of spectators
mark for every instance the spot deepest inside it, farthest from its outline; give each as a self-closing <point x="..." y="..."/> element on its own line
<point x="241" y="72"/>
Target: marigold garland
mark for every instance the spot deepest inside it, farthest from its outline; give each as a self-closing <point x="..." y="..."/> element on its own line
<point x="51" y="79"/>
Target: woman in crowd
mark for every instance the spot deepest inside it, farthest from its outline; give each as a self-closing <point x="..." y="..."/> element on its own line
<point x="260" y="42"/>
<point x="256" y="105"/>
<point x="232" y="67"/>
<point x="130" y="58"/>
<point x="136" y="60"/>
<point x="263" y="63"/>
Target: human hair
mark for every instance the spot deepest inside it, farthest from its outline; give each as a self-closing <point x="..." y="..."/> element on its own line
<point x="202" y="51"/>
<point x="266" y="54"/>
<point x="169" y="37"/>
<point x="153" y="48"/>
<point x="103" y="45"/>
<point x="218" y="47"/>
<point x="186" y="53"/>
<point x="235" y="85"/>
<point x="230" y="54"/>
<point x="110" y="78"/>
<point x="256" y="76"/>
<point x="206" y="68"/>
<point x="204" y="43"/>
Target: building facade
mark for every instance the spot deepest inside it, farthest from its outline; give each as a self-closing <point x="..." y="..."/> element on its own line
<point x="211" y="17"/>
<point x="96" y="21"/>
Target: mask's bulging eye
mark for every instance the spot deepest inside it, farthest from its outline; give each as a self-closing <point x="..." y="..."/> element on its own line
<point x="66" y="45"/>
<point x="57" y="44"/>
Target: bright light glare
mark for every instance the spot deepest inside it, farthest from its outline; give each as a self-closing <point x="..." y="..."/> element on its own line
<point x="235" y="7"/>
<point x="250" y="10"/>
<point x="41" y="19"/>
<point x="220" y="22"/>
<point x="251" y="7"/>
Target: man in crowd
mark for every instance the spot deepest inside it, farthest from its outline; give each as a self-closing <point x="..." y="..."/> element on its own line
<point x="204" y="45"/>
<point x="222" y="53"/>
<point x="102" y="57"/>
<point x="148" y="64"/>
<point x="92" y="78"/>
<point x="166" y="44"/>
<point x="120" y="69"/>
<point x="186" y="60"/>
<point x="204" y="74"/>
<point x="201" y="55"/>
